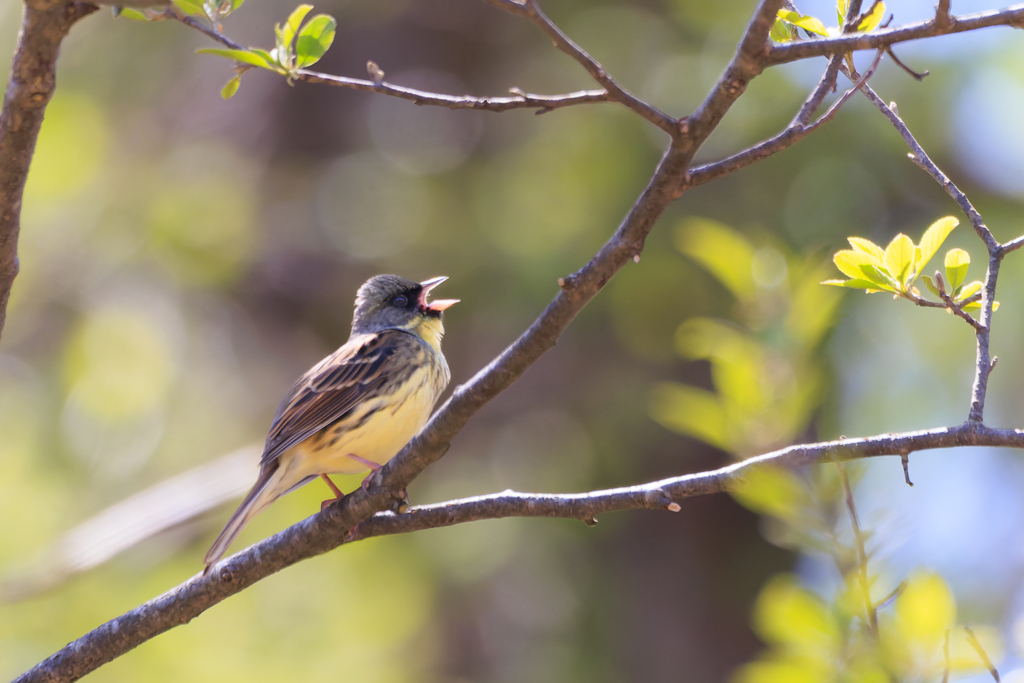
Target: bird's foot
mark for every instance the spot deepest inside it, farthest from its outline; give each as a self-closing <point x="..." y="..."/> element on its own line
<point x="374" y="468"/>
<point x="338" y="495"/>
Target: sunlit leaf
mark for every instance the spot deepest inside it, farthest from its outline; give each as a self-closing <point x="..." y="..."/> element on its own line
<point x="315" y="39"/>
<point x="858" y="265"/>
<point x="873" y="18"/>
<point x="853" y="284"/>
<point x="788" y="614"/>
<point x="230" y="88"/>
<point x="924" y="610"/>
<point x="721" y="250"/>
<point x="976" y="306"/>
<point x="691" y="411"/>
<point x="842" y="7"/>
<point x="933" y="238"/>
<point x="291" y="26"/>
<point x="969" y="290"/>
<point x="778" y="671"/>
<point x="867" y="247"/>
<point x="130" y="13"/>
<point x="931" y="286"/>
<point x="899" y="257"/>
<point x="957" y="261"/>
<point x="781" y="32"/>
<point x="235" y="4"/>
<point x="771" y="491"/>
<point x="808" y="23"/>
<point x="189" y="7"/>
<point x="244" y="56"/>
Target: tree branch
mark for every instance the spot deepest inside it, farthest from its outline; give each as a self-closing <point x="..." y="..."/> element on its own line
<point x="198" y="594"/>
<point x="519" y="99"/>
<point x="1012" y="16"/>
<point x="29" y="89"/>
<point x="529" y="9"/>
<point x="983" y="327"/>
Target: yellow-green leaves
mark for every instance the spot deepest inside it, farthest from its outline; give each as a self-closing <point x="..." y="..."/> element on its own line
<point x="296" y="46"/>
<point x="787" y="22"/>
<point x="214" y="10"/>
<point x="957" y="262"/>
<point x="934" y="236"/>
<point x="899" y="258"/>
<point x="873" y="17"/>
<point x="896" y="268"/>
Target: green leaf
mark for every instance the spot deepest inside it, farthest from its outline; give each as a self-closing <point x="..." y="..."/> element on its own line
<point x="235" y="4"/>
<point x="781" y="32"/>
<point x="722" y="251"/>
<point x="250" y="57"/>
<point x="773" y="491"/>
<point x="969" y="290"/>
<point x="788" y="614"/>
<point x="934" y="236"/>
<point x="230" y="88"/>
<point x="807" y="23"/>
<point x="931" y="286"/>
<point x="691" y="411"/>
<point x="129" y="13"/>
<point x="860" y="266"/>
<point x="924" y="610"/>
<point x="957" y="261"/>
<point x="842" y="7"/>
<point x="899" y="257"/>
<point x="189" y="7"/>
<point x="857" y="283"/>
<point x="976" y="306"/>
<point x="291" y="27"/>
<point x="867" y="247"/>
<point x="873" y="18"/>
<point x="315" y="39"/>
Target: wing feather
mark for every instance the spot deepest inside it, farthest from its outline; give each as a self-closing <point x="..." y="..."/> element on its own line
<point x="333" y="387"/>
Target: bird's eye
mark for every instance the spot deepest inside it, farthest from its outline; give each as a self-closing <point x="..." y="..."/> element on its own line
<point x="400" y="301"/>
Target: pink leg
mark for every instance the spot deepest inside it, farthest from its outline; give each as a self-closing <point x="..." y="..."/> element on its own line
<point x="369" y="463"/>
<point x="338" y="495"/>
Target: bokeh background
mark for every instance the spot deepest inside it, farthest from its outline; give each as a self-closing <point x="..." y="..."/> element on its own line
<point x="184" y="258"/>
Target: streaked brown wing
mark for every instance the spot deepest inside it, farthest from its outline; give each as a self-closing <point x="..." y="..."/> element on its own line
<point x="335" y="385"/>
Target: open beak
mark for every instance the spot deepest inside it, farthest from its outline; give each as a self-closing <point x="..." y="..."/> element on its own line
<point x="440" y="304"/>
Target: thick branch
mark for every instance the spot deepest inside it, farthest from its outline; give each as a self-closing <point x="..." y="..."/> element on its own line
<point x="31" y="85"/>
<point x="187" y="601"/>
<point x="942" y="25"/>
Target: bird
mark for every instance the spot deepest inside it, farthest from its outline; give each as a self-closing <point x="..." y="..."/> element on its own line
<point x="354" y="410"/>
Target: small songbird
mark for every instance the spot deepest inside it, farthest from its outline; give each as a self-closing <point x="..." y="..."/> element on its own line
<point x="359" y="406"/>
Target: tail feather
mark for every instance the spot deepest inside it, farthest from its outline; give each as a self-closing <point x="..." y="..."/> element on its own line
<point x="260" y="495"/>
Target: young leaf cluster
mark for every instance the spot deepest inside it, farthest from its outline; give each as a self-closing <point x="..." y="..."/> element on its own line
<point x="868" y="628"/>
<point x="788" y="21"/>
<point x="297" y="46"/>
<point x="896" y="268"/>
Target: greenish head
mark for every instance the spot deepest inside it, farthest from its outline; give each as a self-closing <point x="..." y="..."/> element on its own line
<point x="391" y="301"/>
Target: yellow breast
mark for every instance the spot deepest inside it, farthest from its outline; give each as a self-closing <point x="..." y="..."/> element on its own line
<point x="376" y="430"/>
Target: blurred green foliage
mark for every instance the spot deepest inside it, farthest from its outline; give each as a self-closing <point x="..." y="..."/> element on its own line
<point x="184" y="258"/>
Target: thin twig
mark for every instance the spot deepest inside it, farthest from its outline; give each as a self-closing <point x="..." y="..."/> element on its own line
<point x="519" y="100"/>
<point x="530" y="10"/>
<point x="996" y="251"/>
<point x="797" y="130"/>
<point x="326" y="530"/>
<point x="822" y="47"/>
<point x="945" y="652"/>
<point x="862" y="556"/>
<point x="976" y="644"/>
